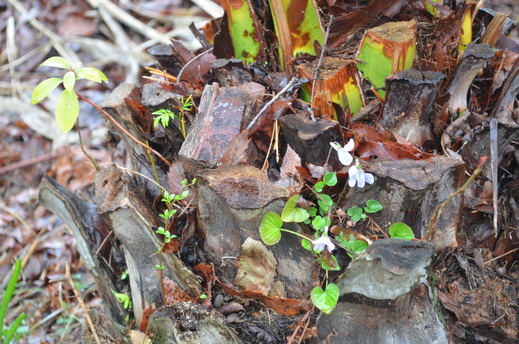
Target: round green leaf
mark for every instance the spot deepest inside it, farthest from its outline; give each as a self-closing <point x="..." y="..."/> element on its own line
<point x="92" y="74"/>
<point x="67" y="110"/>
<point x="319" y="223"/>
<point x="336" y="267"/>
<point x="44" y="88"/>
<point x="291" y="213"/>
<point x="355" y="213"/>
<point x="69" y="80"/>
<point x="56" y="61"/>
<point x="318" y="187"/>
<point x="373" y="206"/>
<point x="325" y="202"/>
<point x="270" y="228"/>
<point x="325" y="300"/>
<point x="330" y="179"/>
<point x="400" y="230"/>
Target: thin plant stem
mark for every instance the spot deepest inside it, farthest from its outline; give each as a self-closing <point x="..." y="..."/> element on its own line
<point x="98" y="108"/>
<point x="435" y="218"/>
<point x="92" y="160"/>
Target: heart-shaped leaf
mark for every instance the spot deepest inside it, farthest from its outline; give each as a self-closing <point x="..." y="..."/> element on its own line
<point x="325" y="300"/>
<point x="330" y="179"/>
<point x="270" y="228"/>
<point x="291" y="213"/>
<point x="400" y="230"/>
<point x="356" y="213"/>
<point x="373" y="206"/>
<point x="325" y="202"/>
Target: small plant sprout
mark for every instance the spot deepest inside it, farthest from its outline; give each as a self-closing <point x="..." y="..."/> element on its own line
<point x="12" y="331"/>
<point x="358" y="176"/>
<point x="344" y="152"/>
<point x="163" y="116"/>
<point x="67" y="106"/>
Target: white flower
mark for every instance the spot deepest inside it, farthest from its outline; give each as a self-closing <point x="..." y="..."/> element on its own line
<point x="344" y="152"/>
<point x="358" y="176"/>
<point x="324" y="242"/>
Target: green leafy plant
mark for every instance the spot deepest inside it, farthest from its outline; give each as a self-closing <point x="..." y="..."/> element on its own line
<point x="67" y="106"/>
<point x="357" y="214"/>
<point x="163" y="116"/>
<point x="171" y="201"/>
<point x="10" y="332"/>
<point x="124" y="299"/>
<point x="400" y="230"/>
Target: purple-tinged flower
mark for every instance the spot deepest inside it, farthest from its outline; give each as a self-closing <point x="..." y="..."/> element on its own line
<point x="358" y="176"/>
<point x="322" y="243"/>
<point x="344" y="152"/>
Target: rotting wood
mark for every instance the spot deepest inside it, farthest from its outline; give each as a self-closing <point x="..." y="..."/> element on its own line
<point x="132" y="221"/>
<point x="88" y="228"/>
<point x="385" y="298"/>
<point x="409" y="104"/>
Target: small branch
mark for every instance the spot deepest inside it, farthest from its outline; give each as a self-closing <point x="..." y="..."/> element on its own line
<point x="320" y="62"/>
<point x="122" y="129"/>
<point x="436" y="216"/>
<point x="27" y="162"/>
<point x="81" y="303"/>
<point x="294" y="81"/>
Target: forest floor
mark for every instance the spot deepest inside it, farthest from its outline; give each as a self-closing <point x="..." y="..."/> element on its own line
<point x="31" y="146"/>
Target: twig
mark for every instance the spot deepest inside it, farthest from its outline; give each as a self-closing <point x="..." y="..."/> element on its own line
<point x="320" y="63"/>
<point x="285" y="89"/>
<point x="494" y="162"/>
<point x="92" y="160"/>
<point x="98" y="108"/>
<point x="436" y="216"/>
<point x="502" y="255"/>
<point x="28" y="162"/>
<point x="80" y="301"/>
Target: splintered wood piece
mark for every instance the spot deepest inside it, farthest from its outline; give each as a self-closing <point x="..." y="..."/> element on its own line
<point x="338" y="82"/>
<point x="311" y="139"/>
<point x="474" y="58"/>
<point x="409" y="103"/>
<point x="231" y="205"/>
<point x="133" y="222"/>
<point x="84" y="222"/>
<point x="219" y="119"/>
<point x="190" y="323"/>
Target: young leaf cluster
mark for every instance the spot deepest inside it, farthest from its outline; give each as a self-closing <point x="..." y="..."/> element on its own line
<point x="170" y="200"/>
<point x="67" y="106"/>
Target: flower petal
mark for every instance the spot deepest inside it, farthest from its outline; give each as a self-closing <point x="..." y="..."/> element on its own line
<point x="344" y="157"/>
<point x="350" y="145"/>
<point x="335" y="145"/>
<point x="369" y="178"/>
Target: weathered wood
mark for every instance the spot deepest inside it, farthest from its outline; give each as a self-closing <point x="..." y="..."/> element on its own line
<point x="307" y="138"/>
<point x="231" y="205"/>
<point x="385" y="298"/>
<point x="411" y="191"/>
<point x="133" y="222"/>
<point x="189" y="323"/>
<point x="107" y="331"/>
<point x="219" y="119"/>
<point x="85" y="223"/>
<point x="409" y="103"/>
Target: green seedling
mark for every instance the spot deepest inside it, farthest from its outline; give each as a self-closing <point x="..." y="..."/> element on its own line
<point x="358" y="214"/>
<point x="400" y="230"/>
<point x="12" y="331"/>
<point x="67" y="106"/>
<point x="163" y="116"/>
